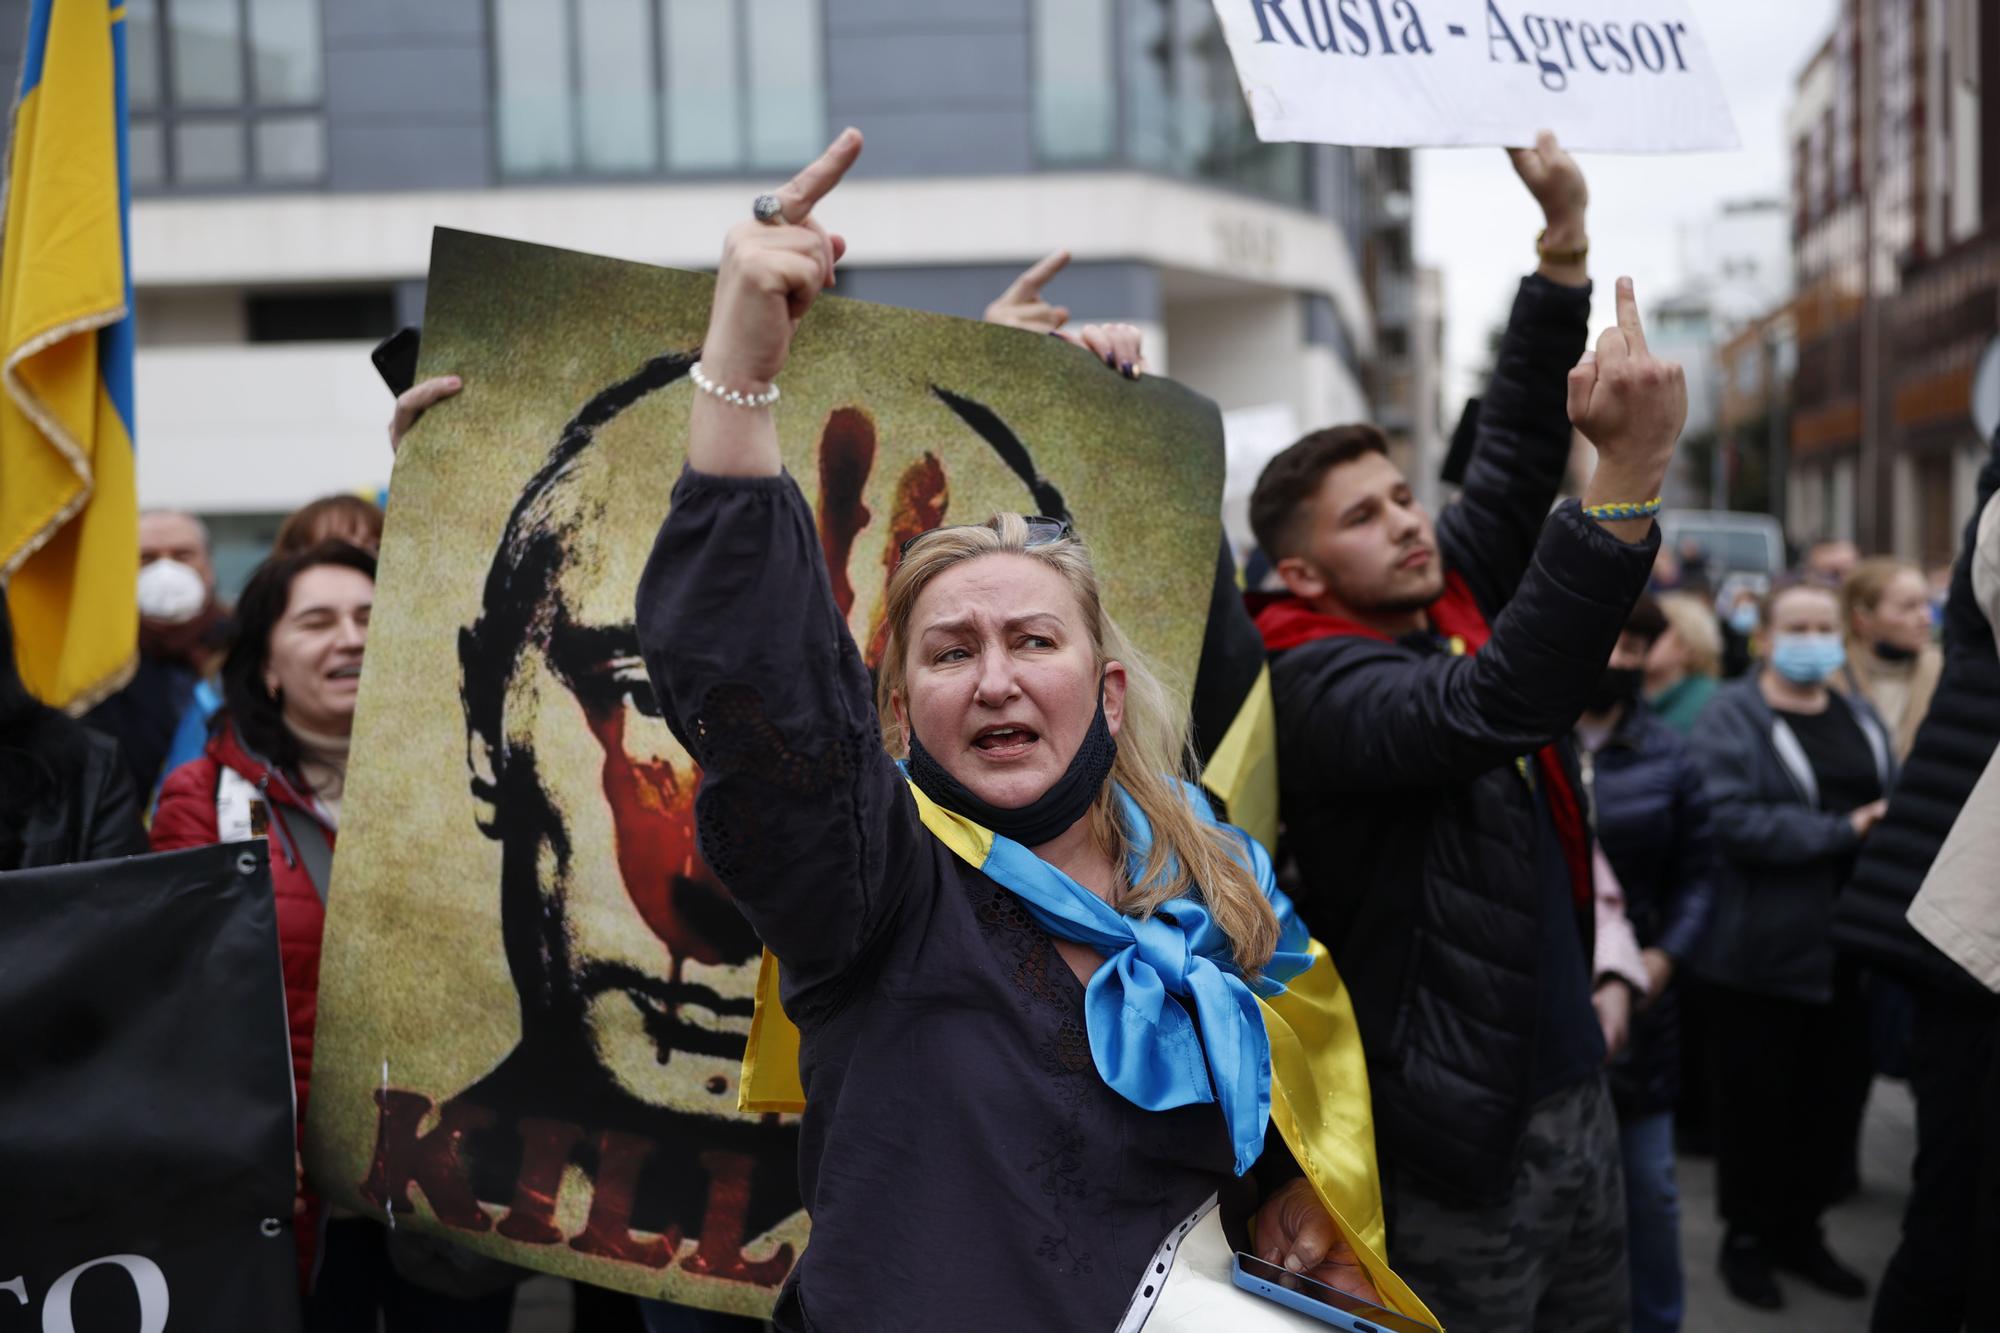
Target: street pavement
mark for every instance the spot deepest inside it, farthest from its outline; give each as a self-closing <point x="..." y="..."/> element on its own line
<point x="1862" y="1231"/>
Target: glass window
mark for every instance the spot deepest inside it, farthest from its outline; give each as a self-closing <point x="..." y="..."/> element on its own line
<point x="621" y="87"/>
<point x="206" y="38"/>
<point x="1149" y="81"/>
<point x="1182" y="108"/>
<point x="290" y="148"/>
<point x="142" y="54"/>
<point x="232" y="64"/>
<point x="532" y="84"/>
<point x="208" y="152"/>
<point x="787" y="120"/>
<point x="284" y="51"/>
<point x="615" y="100"/>
<point x="148" y="156"/>
<point x="1075" y="82"/>
<point x="699" y="44"/>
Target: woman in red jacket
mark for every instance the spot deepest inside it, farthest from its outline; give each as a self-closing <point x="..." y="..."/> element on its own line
<point x="280" y="742"/>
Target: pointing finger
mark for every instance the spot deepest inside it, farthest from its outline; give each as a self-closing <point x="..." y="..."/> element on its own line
<point x="1628" y="318"/>
<point x="1029" y="285"/>
<point x="813" y="184"/>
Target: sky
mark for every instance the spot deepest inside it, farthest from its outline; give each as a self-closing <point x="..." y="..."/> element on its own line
<point x="1476" y="222"/>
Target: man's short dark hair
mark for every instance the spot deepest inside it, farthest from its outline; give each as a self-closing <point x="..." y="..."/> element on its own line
<point x="1277" y="506"/>
<point x="1647" y="620"/>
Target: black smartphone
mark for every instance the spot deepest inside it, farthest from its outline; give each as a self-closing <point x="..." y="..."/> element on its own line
<point x="395" y="359"/>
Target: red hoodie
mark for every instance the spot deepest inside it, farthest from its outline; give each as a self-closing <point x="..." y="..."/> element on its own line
<point x="1287" y="622"/>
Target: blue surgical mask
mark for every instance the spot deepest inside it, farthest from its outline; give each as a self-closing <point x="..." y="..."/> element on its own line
<point x="1808" y="659"/>
<point x="1743" y="619"/>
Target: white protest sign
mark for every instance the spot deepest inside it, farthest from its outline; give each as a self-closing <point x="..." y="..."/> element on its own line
<point x="1609" y="75"/>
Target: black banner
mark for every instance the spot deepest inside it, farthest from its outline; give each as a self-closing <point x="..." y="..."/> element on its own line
<point x="146" y="1171"/>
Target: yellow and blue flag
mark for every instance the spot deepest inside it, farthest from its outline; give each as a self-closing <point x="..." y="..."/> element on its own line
<point x="69" y="532"/>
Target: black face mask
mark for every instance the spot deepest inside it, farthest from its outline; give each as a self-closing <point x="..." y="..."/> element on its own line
<point x="1618" y="685"/>
<point x="1894" y="652"/>
<point x="1048" y="814"/>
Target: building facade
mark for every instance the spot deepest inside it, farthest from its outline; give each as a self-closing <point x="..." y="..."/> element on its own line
<point x="1896" y="257"/>
<point x="290" y="158"/>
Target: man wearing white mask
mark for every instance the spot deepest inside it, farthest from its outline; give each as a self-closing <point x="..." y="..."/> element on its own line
<point x="181" y="632"/>
<point x="1795" y="776"/>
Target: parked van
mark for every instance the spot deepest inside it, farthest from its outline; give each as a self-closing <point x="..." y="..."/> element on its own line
<point x="1727" y="542"/>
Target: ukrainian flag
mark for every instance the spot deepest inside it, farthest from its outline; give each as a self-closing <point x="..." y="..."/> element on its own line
<point x="69" y="534"/>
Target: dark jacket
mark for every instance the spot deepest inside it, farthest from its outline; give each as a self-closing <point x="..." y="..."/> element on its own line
<point x="1783" y="858"/>
<point x="66" y="796"/>
<point x="1952" y="749"/>
<point x="1653" y="823"/>
<point x="142" y="717"/>
<point x="1415" y="834"/>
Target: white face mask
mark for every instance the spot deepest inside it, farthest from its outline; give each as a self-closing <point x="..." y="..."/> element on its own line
<point x="171" y="591"/>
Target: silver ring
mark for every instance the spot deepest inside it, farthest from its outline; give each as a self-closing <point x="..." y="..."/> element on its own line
<point x="767" y="209"/>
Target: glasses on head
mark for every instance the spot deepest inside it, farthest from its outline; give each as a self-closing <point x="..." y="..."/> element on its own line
<point x="1041" y="530"/>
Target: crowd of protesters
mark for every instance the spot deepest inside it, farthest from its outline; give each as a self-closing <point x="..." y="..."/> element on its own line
<point x="1615" y="851"/>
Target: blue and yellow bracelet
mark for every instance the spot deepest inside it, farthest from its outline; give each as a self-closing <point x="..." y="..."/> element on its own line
<point x="1614" y="512"/>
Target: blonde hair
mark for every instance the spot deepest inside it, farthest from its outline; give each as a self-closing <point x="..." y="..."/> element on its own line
<point x="1693" y="622"/>
<point x="1189" y="855"/>
<point x="1863" y="588"/>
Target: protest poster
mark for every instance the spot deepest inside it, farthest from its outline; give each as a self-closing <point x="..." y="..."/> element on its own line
<point x="1629" y="76"/>
<point x="534" y="996"/>
<point x="146" y="1094"/>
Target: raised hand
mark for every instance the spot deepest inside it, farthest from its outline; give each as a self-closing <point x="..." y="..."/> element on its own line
<point x="771" y="273"/>
<point x="1116" y="345"/>
<point x="1021" y="306"/>
<point x="1631" y="405"/>
<point x="1557" y="184"/>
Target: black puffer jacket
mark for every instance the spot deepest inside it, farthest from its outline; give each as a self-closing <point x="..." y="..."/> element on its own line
<point x="1952" y="749"/>
<point x="1414" y="832"/>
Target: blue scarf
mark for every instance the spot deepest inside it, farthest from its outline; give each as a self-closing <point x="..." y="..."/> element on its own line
<point x="1145" y="1045"/>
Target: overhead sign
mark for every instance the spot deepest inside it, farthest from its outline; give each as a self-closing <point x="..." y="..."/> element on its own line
<point x="1608" y="75"/>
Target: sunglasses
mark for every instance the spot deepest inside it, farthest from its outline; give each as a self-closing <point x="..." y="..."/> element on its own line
<point x="1041" y="531"/>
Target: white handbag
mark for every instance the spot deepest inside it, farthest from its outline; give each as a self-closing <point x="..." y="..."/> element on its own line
<point x="1188" y="1287"/>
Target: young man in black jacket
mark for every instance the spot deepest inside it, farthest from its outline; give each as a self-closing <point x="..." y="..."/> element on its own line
<point x="1425" y="676"/>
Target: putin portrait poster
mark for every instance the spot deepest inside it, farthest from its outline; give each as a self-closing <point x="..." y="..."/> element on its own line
<point x="535" y="994"/>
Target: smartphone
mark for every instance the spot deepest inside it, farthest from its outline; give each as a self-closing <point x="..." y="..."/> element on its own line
<point x="1327" y="1304"/>
<point x="395" y="359"/>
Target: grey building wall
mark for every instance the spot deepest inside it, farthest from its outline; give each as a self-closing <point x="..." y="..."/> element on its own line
<point x="941" y="87"/>
<point x="408" y="104"/>
<point x="1090" y="291"/>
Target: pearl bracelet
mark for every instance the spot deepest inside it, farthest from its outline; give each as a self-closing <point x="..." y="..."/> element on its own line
<point x="734" y="397"/>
